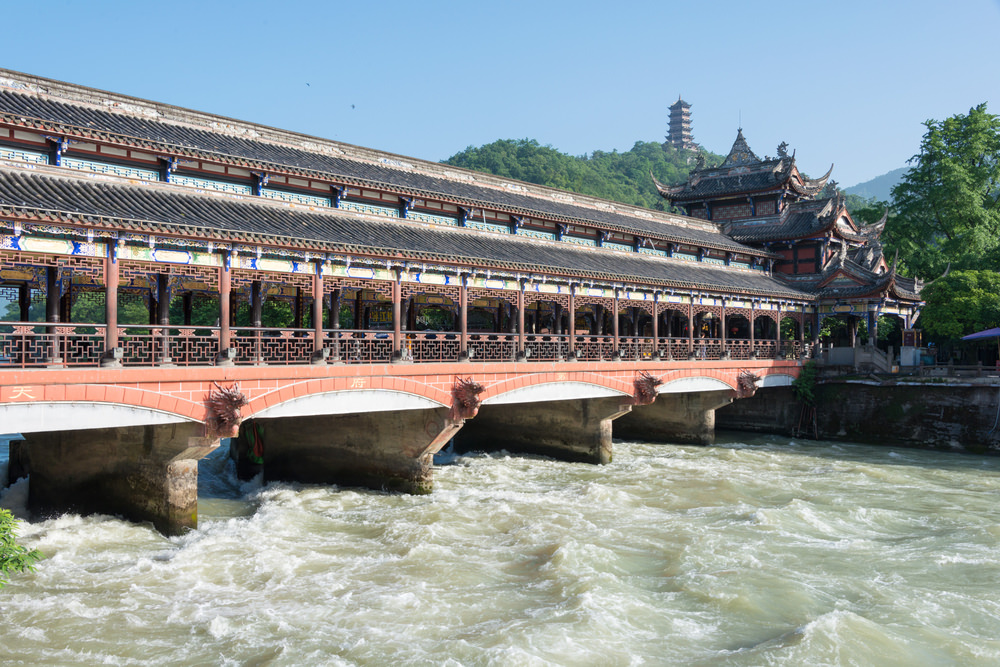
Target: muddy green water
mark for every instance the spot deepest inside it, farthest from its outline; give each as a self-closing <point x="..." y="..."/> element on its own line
<point x="759" y="551"/>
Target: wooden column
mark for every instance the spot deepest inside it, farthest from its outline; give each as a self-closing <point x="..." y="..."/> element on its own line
<point x="691" y="326"/>
<point x="520" y="321"/>
<point x="753" y="349"/>
<point x="777" y="335"/>
<point x="335" y="323"/>
<point x="52" y="313"/>
<point x="616" y="351"/>
<point x="24" y="301"/>
<point x="463" y="317"/>
<point x="397" y="320"/>
<point x="572" y="323"/>
<point x="319" y="351"/>
<point x="112" y="354"/>
<point x="226" y="353"/>
<point x="656" y="326"/>
<point x="163" y="315"/>
<point x="722" y="329"/>
<point x="257" y="320"/>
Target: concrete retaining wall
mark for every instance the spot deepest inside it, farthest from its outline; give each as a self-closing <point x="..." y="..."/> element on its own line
<point x="927" y="416"/>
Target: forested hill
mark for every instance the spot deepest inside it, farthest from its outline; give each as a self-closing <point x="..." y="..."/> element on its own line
<point x="621" y="177"/>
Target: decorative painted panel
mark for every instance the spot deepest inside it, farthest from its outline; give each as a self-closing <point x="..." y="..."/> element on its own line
<point x="370" y="209"/>
<point x="536" y="234"/>
<point x="590" y="243"/>
<point x="23" y="156"/>
<point x="494" y="283"/>
<point x="425" y="278"/>
<point x="206" y="184"/>
<point x="431" y="218"/>
<point x="295" y="198"/>
<point x="713" y="260"/>
<point x="487" y="226"/>
<point x="108" y="168"/>
<point x="621" y="247"/>
<point x="687" y="258"/>
<point x="361" y="272"/>
<point x="653" y="251"/>
<point x="147" y="254"/>
<point x="52" y="246"/>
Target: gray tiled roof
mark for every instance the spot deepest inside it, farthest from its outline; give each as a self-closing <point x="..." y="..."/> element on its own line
<point x="163" y="209"/>
<point x="349" y="170"/>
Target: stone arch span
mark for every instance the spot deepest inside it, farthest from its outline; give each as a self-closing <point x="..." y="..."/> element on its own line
<point x="45" y="416"/>
<point x="539" y="387"/>
<point x="344" y="395"/>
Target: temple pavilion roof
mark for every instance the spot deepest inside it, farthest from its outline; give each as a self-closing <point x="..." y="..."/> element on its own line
<point x="743" y="173"/>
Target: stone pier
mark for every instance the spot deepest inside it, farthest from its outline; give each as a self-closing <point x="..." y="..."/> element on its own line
<point x="392" y="450"/>
<point x="569" y="430"/>
<point x="682" y="418"/>
<point x="142" y="473"/>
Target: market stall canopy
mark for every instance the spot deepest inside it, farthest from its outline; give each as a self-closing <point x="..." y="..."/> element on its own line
<point x="979" y="335"/>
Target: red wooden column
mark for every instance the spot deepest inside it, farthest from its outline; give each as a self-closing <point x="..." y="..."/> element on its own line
<point x="463" y="317"/>
<point x="691" y="326"/>
<point x="656" y="325"/>
<point x="777" y="335"/>
<point x="112" y="353"/>
<point x="520" y="321"/>
<point x="397" y="322"/>
<point x="52" y="315"/>
<point x="226" y="352"/>
<point x="319" y="351"/>
<point x="722" y="331"/>
<point x="616" y="350"/>
<point x="572" y="323"/>
<point x="753" y="344"/>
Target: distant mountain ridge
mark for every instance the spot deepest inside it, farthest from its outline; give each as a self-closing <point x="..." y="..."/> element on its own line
<point x="880" y="187"/>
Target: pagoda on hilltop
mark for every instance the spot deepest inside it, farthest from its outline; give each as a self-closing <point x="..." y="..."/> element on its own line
<point x="816" y="244"/>
<point x="680" y="126"/>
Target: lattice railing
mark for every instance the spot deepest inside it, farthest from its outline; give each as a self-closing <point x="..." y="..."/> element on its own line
<point x="546" y="347"/>
<point x="765" y="349"/>
<point x="492" y="347"/>
<point x="595" y="348"/>
<point x="27" y="344"/>
<point x="637" y="347"/>
<point x="431" y="347"/>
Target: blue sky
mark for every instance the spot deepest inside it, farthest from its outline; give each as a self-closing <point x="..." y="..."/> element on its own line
<point x="847" y="83"/>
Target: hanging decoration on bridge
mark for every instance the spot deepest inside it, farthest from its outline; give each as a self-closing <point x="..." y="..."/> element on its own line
<point x="465" y="398"/>
<point x="746" y="384"/>
<point x="224" y="415"/>
<point x="645" y="388"/>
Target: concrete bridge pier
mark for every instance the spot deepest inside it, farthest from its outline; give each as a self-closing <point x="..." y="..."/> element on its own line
<point x="143" y="473"/>
<point x="389" y="450"/>
<point x="570" y="430"/>
<point x="687" y="418"/>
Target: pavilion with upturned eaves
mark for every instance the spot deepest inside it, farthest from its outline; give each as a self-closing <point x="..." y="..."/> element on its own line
<point x="769" y="204"/>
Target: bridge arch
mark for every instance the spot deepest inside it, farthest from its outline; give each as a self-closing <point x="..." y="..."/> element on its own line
<point x="43" y="416"/>
<point x="555" y="387"/>
<point x="344" y="395"/>
<point x="694" y="383"/>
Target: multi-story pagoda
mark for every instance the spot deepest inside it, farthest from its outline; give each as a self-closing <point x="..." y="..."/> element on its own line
<point x="768" y="203"/>
<point x="680" y="125"/>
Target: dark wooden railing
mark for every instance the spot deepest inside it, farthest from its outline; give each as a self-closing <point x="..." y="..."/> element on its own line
<point x="35" y="344"/>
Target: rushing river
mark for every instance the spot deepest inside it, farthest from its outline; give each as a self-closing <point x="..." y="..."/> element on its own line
<point x="757" y="551"/>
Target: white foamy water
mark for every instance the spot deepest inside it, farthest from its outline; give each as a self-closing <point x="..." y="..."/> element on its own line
<point x="760" y="551"/>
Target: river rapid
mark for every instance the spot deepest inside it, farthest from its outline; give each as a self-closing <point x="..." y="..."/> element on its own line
<point x="758" y="551"/>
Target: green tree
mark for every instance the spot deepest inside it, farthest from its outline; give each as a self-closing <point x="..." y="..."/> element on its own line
<point x="622" y="177"/>
<point x="959" y="304"/>
<point x="13" y="557"/>
<point x="947" y="208"/>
